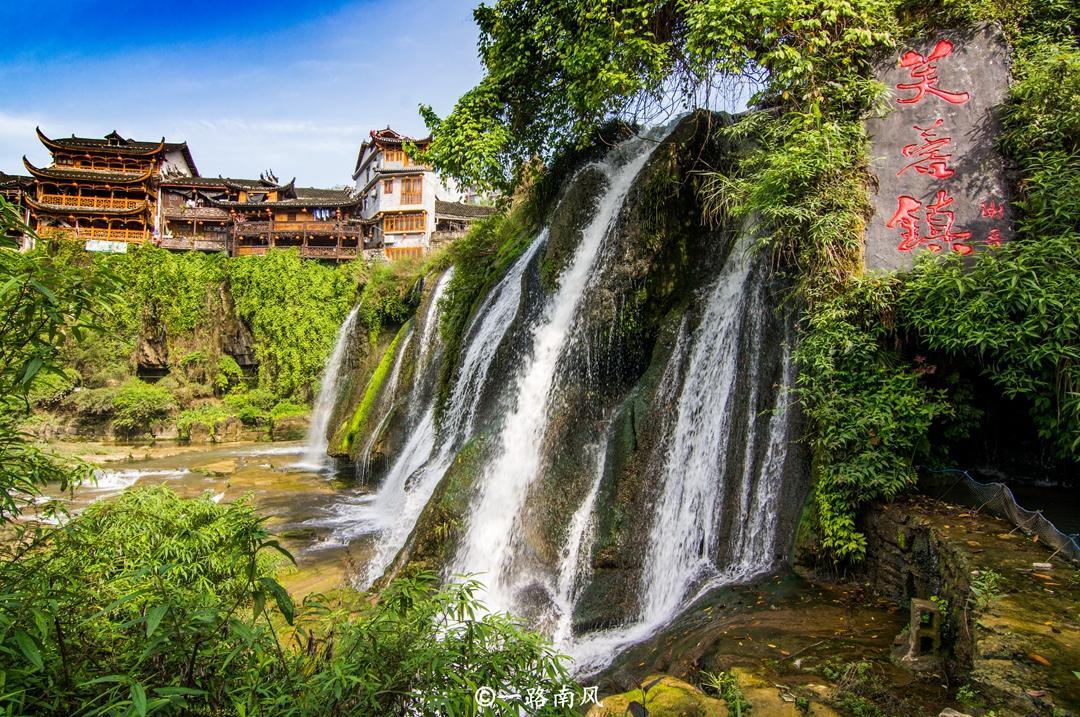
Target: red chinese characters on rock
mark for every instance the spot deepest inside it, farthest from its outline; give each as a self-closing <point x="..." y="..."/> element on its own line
<point x="940" y="220"/>
<point x="927" y="156"/>
<point x="992" y="209"/>
<point x="923" y="71"/>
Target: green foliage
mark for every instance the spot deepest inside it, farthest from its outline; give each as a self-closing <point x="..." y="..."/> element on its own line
<point x="871" y="410"/>
<point x="1015" y="313"/>
<point x="284" y="409"/>
<point x="294" y="308"/>
<point x="152" y="603"/>
<point x="136" y="405"/>
<point x="227" y="375"/>
<point x="252" y="406"/>
<point x="137" y="599"/>
<point x="44" y="301"/>
<point x="389" y="295"/>
<point x="725" y="684"/>
<point x="555" y="72"/>
<point x="985" y="588"/>
<point x="209" y="415"/>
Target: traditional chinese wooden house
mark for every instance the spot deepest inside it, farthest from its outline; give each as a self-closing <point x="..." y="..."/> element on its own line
<point x="15" y="189"/>
<point x="103" y="191"/>
<point x="404" y="203"/>
<point x="250" y="216"/>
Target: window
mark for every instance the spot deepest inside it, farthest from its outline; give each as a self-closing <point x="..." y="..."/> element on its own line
<point x="402" y="223"/>
<point x="412" y="190"/>
<point x="388" y="186"/>
<point x="394" y="155"/>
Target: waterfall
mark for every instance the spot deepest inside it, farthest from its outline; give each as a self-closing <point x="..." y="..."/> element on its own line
<point x="363" y="462"/>
<point x="487" y="545"/>
<point x="685" y="522"/>
<point x="314" y="457"/>
<point x="419" y="467"/>
<point x="711" y="463"/>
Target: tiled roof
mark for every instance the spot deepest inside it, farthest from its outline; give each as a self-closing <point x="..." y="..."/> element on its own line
<point x="460" y="209"/>
<point x="389" y="136"/>
<point x="196" y="182"/>
<point x="86" y="175"/>
<point x="305" y="197"/>
<point x="9" y="181"/>
<point x="113" y="142"/>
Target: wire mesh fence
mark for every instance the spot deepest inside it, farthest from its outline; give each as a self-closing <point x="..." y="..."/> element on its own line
<point x="957" y="486"/>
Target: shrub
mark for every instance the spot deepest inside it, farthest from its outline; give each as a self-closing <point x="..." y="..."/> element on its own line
<point x="251" y="406"/>
<point x="153" y="603"/>
<point x="209" y="415"/>
<point x="227" y="375"/>
<point x="137" y="404"/>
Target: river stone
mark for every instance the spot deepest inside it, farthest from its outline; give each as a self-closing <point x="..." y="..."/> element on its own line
<point x="290" y="428"/>
<point x="671" y="697"/>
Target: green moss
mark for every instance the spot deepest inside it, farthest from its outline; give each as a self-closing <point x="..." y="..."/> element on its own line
<point x="358" y="422"/>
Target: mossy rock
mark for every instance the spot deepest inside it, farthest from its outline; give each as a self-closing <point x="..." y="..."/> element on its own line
<point x="670" y="697"/>
<point x="290" y="428"/>
<point x="434" y="538"/>
<point x="576" y="209"/>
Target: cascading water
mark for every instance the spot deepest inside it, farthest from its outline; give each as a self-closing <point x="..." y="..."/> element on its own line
<point x="712" y="477"/>
<point x="487" y="547"/>
<point x="680" y="550"/>
<point x="363" y="463"/>
<point x="314" y="456"/>
<point x="418" y="468"/>
<point x="709" y="459"/>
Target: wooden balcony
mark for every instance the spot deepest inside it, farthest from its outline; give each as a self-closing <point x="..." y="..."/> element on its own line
<point x="67" y="200"/>
<point x="299" y="229"/>
<point x="195" y="243"/>
<point x="134" y="236"/>
<point x="103" y="168"/>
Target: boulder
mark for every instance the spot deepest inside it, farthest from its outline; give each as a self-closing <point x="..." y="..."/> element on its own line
<point x="670" y="697"/>
<point x="290" y="428"/>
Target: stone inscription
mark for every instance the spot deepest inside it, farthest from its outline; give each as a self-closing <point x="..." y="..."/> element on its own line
<point x="940" y="180"/>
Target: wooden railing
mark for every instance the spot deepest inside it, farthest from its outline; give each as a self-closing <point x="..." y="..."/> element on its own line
<point x="100" y="168"/>
<point x="413" y="198"/>
<point x="194" y="243"/>
<point x="67" y="200"/>
<point x="297" y="228"/>
<point x="128" y="235"/>
<point x="307" y="252"/>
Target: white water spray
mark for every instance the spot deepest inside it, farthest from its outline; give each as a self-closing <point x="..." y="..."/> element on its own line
<point x="487" y="547"/>
<point x="314" y="457"/>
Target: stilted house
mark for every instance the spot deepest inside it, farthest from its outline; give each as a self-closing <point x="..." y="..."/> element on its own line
<point x="103" y="191"/>
<point x="250" y="216"/>
<point x="404" y="203"/>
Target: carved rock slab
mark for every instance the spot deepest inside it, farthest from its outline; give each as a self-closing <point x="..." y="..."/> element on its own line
<point x="940" y="179"/>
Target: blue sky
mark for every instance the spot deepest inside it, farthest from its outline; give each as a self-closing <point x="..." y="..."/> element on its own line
<point x="290" y="86"/>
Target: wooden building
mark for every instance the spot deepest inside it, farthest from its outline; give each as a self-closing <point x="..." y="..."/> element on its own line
<point x="404" y="203"/>
<point x="103" y="191"/>
<point x="250" y="216"/>
<point x="16" y="188"/>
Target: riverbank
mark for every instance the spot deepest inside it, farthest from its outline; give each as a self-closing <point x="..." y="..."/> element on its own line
<point x="308" y="510"/>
